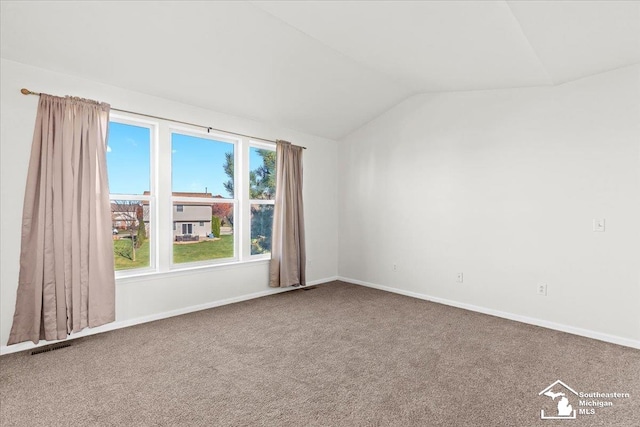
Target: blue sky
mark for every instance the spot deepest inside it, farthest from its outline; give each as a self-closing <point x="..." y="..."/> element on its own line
<point x="197" y="163"/>
<point x="128" y="159"/>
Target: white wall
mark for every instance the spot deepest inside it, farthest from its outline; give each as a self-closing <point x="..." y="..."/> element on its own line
<point x="154" y="297"/>
<point x="503" y="186"/>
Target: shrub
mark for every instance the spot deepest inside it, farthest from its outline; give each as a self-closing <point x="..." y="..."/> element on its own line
<point x="215" y="226"/>
<point x="141" y="235"/>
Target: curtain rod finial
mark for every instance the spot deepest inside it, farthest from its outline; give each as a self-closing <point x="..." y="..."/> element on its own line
<point x="25" y="91"/>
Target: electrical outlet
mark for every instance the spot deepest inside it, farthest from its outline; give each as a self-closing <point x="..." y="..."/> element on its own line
<point x="460" y="278"/>
<point x="394" y="267"/>
<point x="542" y="289"/>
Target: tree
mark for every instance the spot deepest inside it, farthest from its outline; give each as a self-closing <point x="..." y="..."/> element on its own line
<point x="224" y="211"/>
<point x="261" y="227"/>
<point x="262" y="186"/>
<point x="262" y="180"/>
<point x="228" y="170"/>
<point x="128" y="215"/>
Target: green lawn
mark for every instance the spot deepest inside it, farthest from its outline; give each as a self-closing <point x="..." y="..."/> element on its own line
<point x="201" y="251"/>
<point x="122" y="254"/>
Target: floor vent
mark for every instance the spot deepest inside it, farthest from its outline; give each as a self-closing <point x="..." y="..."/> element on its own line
<point x="308" y="288"/>
<point x="51" y="347"/>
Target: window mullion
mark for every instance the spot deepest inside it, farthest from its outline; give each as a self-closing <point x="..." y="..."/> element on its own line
<point x="242" y="196"/>
<point x="164" y="202"/>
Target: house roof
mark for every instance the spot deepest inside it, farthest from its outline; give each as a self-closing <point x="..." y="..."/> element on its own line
<point x="192" y="195"/>
<point x="123" y="207"/>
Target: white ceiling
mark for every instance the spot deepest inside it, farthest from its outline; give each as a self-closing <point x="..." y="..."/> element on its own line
<point x="321" y="67"/>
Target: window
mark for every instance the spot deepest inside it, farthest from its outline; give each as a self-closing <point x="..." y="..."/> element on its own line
<point x="184" y="198"/>
<point x="129" y="171"/>
<point x="262" y="191"/>
<point x="203" y="183"/>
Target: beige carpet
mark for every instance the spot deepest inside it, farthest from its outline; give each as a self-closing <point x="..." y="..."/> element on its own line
<point x="337" y="355"/>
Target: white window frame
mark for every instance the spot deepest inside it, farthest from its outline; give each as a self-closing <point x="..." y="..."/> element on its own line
<point x="259" y="145"/>
<point x="151" y="198"/>
<point x="161" y="199"/>
<point x="235" y="202"/>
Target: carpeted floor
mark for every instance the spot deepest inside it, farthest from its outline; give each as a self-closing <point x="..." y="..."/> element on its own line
<point x="336" y="355"/>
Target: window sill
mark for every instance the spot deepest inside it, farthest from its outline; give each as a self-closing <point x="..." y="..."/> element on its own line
<point x="186" y="270"/>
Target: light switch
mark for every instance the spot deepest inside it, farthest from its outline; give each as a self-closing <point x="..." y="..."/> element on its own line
<point x="598" y="224"/>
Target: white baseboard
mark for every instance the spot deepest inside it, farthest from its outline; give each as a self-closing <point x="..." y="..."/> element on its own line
<point x="505" y="315"/>
<point x="157" y="316"/>
<point x="322" y="281"/>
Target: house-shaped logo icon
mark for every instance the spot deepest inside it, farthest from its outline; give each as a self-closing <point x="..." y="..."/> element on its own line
<point x="565" y="410"/>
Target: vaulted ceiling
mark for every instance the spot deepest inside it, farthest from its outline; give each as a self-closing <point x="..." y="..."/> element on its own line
<point x="321" y="67"/>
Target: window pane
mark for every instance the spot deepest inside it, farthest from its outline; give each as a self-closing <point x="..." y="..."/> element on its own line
<point x="128" y="163"/>
<point x="201" y="167"/>
<point x="262" y="174"/>
<point x="261" y="224"/>
<point x="130" y="223"/>
<point x="202" y="231"/>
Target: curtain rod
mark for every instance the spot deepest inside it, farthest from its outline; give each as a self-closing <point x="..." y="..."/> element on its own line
<point x="208" y="128"/>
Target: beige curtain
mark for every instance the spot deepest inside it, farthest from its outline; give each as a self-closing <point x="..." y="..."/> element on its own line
<point x="66" y="280"/>
<point x="288" y="254"/>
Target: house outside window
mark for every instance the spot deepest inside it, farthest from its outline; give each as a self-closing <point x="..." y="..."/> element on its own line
<point x="207" y="163"/>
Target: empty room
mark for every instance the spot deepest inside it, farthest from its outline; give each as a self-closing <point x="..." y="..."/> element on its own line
<point x="320" y="213"/>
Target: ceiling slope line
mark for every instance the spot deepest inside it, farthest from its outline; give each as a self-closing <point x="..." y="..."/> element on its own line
<point x="385" y="111"/>
<point x="586" y="76"/>
<point x="382" y="74"/>
<point x="533" y="49"/>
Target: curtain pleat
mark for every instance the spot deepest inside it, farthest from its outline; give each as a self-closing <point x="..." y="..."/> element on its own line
<point x="288" y="252"/>
<point x="66" y="280"/>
